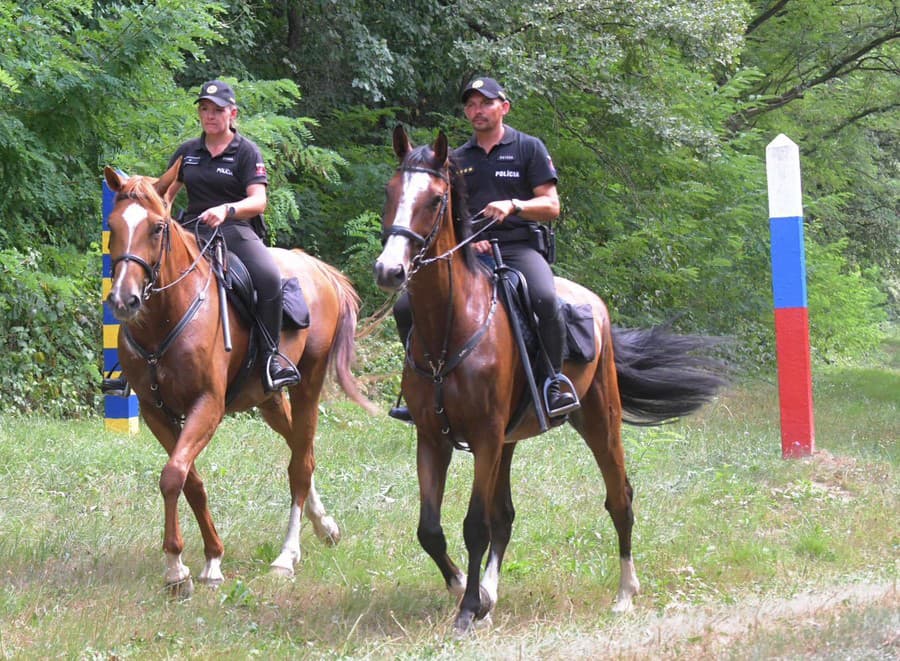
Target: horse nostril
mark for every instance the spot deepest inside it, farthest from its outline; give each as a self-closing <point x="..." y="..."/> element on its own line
<point x="399" y="274"/>
<point x="134" y="302"/>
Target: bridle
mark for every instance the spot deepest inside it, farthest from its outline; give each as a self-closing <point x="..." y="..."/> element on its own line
<point x="439" y="368"/>
<point x="153" y="271"/>
<point x="165" y="247"/>
<point x="419" y="261"/>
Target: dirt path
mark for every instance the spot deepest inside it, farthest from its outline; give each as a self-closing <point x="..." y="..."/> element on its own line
<point x="856" y="621"/>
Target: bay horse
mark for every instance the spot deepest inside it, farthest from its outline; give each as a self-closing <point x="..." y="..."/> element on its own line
<point x="463" y="378"/>
<point x="172" y="351"/>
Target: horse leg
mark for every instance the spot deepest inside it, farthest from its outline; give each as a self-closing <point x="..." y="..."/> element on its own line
<point x="502" y="515"/>
<point x="433" y="460"/>
<point x="296" y="422"/>
<point x="177" y="574"/>
<point x="600" y="424"/>
<point x="476" y="603"/>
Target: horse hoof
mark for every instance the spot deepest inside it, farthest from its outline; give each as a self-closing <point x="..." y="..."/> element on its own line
<point x="281" y="570"/>
<point x="181" y="590"/>
<point x="623" y="605"/>
<point x="487" y="603"/>
<point x="464" y="625"/>
<point x="213" y="583"/>
<point x="328" y="531"/>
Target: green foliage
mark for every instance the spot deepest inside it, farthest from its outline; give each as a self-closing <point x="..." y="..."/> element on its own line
<point x="657" y="115"/>
<point x="50" y="325"/>
<point x="846" y="309"/>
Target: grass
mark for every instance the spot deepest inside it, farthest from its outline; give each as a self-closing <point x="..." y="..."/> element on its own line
<point x="721" y="520"/>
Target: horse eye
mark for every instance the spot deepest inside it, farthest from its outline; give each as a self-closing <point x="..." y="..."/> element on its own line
<point x="158" y="228"/>
<point x="436" y="201"/>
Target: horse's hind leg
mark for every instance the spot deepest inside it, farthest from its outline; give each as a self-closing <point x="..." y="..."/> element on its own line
<point x="599" y="423"/>
<point x="296" y="421"/>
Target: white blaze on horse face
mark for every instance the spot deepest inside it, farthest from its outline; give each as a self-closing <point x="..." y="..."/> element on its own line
<point x="133" y="215"/>
<point x="395" y="248"/>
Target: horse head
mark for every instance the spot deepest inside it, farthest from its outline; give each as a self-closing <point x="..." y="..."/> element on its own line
<point x="417" y="202"/>
<point x="138" y="235"/>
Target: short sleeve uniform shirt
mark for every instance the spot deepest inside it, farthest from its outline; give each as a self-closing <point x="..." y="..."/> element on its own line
<point x="513" y="169"/>
<point x="210" y="181"/>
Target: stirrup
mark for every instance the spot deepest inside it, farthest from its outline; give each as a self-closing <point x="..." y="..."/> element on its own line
<point x="116" y="387"/>
<point x="286" y="375"/>
<point x="401" y="413"/>
<point x="557" y="380"/>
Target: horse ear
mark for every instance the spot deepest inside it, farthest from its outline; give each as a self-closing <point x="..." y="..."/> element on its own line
<point x="440" y="149"/>
<point x="113" y="179"/>
<point x="167" y="179"/>
<point x="402" y="145"/>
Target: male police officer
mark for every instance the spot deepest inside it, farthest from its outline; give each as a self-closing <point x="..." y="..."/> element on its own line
<point x="510" y="178"/>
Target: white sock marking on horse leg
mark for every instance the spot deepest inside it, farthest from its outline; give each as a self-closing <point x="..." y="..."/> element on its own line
<point x="290" y="551"/>
<point x="212" y="572"/>
<point x="325" y="526"/>
<point x="490" y="582"/>
<point x="628" y="586"/>
<point x="176" y="571"/>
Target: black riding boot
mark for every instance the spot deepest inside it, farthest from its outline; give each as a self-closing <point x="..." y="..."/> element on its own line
<point x="403" y="318"/>
<point x="553" y="334"/>
<point x="279" y="372"/>
<point x="115" y="387"/>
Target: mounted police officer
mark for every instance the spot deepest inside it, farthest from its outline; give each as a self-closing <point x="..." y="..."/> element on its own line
<point x="225" y="178"/>
<point x="510" y="178"/>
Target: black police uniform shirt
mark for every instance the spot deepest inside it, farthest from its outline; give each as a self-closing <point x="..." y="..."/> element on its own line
<point x="212" y="181"/>
<point x="517" y="165"/>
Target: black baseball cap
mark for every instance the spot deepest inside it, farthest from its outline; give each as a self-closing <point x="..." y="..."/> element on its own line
<point x="218" y="92"/>
<point x="486" y="86"/>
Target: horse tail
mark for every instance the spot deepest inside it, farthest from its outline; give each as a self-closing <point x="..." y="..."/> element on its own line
<point x="663" y="375"/>
<point x="342" y="355"/>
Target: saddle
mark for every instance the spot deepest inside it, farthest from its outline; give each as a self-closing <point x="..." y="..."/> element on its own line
<point x="242" y="294"/>
<point x="579" y="344"/>
<point x="234" y="279"/>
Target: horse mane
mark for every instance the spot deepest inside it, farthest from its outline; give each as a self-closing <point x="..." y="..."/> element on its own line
<point x="423" y="156"/>
<point x="141" y="190"/>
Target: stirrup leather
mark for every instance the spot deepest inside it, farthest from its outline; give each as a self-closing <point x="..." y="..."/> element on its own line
<point x="560" y="379"/>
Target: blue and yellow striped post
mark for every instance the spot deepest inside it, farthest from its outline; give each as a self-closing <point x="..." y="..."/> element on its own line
<point x="120" y="413"/>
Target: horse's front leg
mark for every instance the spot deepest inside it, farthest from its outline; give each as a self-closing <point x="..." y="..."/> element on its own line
<point x="432" y="460"/>
<point x="476" y="602"/>
<point x="179" y="474"/>
<point x="502" y="515"/>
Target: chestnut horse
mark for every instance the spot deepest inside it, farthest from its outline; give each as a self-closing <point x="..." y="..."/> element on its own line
<point x="463" y="379"/>
<point x="172" y="352"/>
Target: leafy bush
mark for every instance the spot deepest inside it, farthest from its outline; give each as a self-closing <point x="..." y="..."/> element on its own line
<point x="50" y="331"/>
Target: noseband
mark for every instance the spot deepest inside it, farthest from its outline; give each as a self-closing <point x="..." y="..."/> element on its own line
<point x="151" y="271"/>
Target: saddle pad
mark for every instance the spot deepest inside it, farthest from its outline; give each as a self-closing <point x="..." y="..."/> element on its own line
<point x="579" y="320"/>
<point x="580" y="344"/>
<point x="296" y="311"/>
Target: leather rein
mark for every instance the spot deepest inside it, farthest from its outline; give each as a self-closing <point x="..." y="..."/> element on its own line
<point x="150" y="288"/>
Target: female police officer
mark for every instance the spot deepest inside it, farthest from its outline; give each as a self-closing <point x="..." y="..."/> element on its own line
<point x="225" y="178"/>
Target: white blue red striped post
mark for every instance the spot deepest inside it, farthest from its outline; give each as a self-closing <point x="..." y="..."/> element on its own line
<point x="120" y="413"/>
<point x="789" y="289"/>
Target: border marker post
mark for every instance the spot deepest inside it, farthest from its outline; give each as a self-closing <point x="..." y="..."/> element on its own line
<point x="789" y="289"/>
<point x="120" y="413"/>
